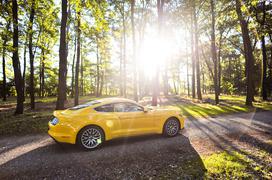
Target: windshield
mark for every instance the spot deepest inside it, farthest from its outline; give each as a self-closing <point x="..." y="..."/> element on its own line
<point x="85" y="105"/>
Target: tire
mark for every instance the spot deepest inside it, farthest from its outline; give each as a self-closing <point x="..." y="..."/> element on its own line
<point x="171" y="127"/>
<point x="90" y="137"/>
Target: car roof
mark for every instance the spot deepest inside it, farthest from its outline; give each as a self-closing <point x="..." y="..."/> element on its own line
<point x="115" y="100"/>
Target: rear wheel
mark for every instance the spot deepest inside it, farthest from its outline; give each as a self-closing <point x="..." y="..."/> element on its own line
<point x="90" y="137"/>
<point x="171" y="127"/>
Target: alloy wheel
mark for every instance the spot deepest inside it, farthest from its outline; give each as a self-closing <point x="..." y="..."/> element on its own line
<point x="91" y="138"/>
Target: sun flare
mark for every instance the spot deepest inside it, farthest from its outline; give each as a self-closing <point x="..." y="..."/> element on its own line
<point x="154" y="52"/>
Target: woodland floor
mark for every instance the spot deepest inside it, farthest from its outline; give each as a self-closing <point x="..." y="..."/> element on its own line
<point x="218" y="143"/>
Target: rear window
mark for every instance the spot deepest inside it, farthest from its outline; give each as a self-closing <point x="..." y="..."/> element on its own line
<point x="85" y="105"/>
<point x="105" y="108"/>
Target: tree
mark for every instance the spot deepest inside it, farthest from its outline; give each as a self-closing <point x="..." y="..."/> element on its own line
<point x="124" y="51"/>
<point x="192" y="54"/>
<point x="73" y="68"/>
<point x="77" y="59"/>
<point x="264" y="55"/>
<point x="160" y="4"/>
<point x="62" y="58"/>
<point x="31" y="55"/>
<point x="135" y="91"/>
<point x="214" y="56"/>
<point x="248" y="54"/>
<point x="97" y="67"/>
<point x="16" y="62"/>
<point x="198" y="86"/>
<point x="5" y="39"/>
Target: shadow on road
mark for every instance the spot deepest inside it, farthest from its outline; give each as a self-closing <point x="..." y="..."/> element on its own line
<point x="223" y="137"/>
<point x="137" y="157"/>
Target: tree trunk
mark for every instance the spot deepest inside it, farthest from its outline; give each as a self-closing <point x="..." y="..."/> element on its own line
<point x="42" y="73"/>
<point x="77" y="59"/>
<point x="73" y="69"/>
<point x="270" y="70"/>
<point x="101" y="83"/>
<point x="135" y="90"/>
<point x="198" y="88"/>
<point x="24" y="68"/>
<point x="156" y="87"/>
<point x="4" y="71"/>
<point x="192" y="55"/>
<point x="67" y="32"/>
<point x="97" y="70"/>
<point x="81" y="77"/>
<point x="214" y="55"/>
<point x="187" y="71"/>
<point x="63" y="58"/>
<point x="31" y="56"/>
<point x="165" y="79"/>
<point x="248" y="55"/>
<point x="264" y="73"/>
<point x="121" y="93"/>
<point x="219" y="63"/>
<point x="264" y="78"/>
<point x="5" y="39"/>
<point x="16" y="62"/>
<point x="124" y="54"/>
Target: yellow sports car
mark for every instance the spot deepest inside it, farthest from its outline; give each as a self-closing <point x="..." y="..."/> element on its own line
<point x="90" y="124"/>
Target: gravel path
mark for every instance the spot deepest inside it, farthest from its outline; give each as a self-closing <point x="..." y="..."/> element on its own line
<point x="39" y="157"/>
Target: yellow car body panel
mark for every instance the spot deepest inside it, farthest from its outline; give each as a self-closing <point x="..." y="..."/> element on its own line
<point x="114" y="124"/>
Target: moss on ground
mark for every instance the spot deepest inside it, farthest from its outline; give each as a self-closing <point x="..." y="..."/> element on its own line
<point x="234" y="165"/>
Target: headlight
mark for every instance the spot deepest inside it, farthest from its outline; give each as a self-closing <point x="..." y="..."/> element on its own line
<point x="54" y="121"/>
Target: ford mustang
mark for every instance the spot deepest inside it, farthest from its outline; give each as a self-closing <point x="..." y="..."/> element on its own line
<point x="90" y="124"/>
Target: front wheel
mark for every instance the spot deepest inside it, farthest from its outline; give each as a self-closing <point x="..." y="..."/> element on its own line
<point x="90" y="137"/>
<point x="171" y="127"/>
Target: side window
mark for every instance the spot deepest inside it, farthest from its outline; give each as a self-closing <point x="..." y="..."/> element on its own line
<point x="104" y="108"/>
<point x="127" y="107"/>
<point x="119" y="107"/>
<point x="133" y="108"/>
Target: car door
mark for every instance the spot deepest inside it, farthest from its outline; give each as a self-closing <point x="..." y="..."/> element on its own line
<point x="133" y="119"/>
<point x="111" y="121"/>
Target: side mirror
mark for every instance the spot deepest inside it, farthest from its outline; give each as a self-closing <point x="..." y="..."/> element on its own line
<point x="146" y="109"/>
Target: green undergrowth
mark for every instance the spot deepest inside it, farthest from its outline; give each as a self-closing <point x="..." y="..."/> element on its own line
<point x="29" y="122"/>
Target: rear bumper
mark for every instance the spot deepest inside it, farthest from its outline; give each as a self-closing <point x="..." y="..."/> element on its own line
<point x="61" y="133"/>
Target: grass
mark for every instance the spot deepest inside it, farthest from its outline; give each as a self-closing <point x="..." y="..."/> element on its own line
<point x="36" y="121"/>
<point x="228" y="105"/>
<point x="222" y="165"/>
<point x="29" y="122"/>
<point x="234" y="165"/>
